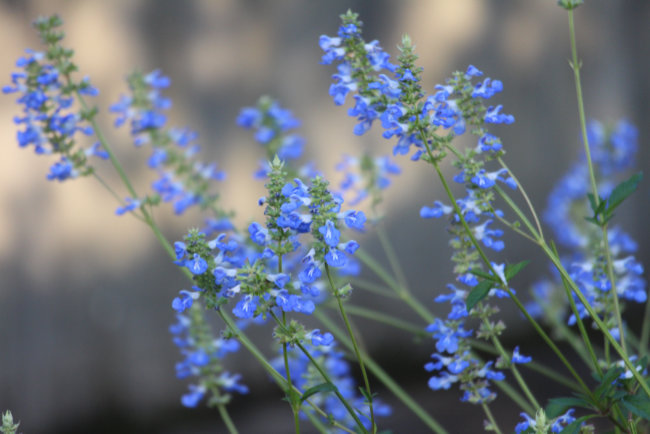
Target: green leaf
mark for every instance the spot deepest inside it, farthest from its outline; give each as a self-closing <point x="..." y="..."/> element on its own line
<point x="484" y="275"/>
<point x="637" y="404"/>
<point x="512" y="270"/>
<point x="558" y="406"/>
<point x="365" y="394"/>
<point x="606" y="383"/>
<point x="574" y="427"/>
<point x="323" y="387"/>
<point x="479" y="292"/>
<point x="621" y="192"/>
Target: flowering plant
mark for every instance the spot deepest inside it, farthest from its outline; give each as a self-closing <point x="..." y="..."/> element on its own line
<point x="303" y="260"/>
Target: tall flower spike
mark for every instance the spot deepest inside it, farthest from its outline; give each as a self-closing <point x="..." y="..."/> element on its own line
<point x="47" y="93"/>
<point x="183" y="179"/>
<point x="613" y="150"/>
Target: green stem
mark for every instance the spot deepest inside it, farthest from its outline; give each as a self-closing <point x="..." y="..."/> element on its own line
<point x="506" y="357"/>
<point x="386" y="319"/>
<point x="581" y="326"/>
<point x="327" y="378"/>
<point x="277" y="377"/>
<point x="592" y="178"/>
<point x="392" y="256"/>
<point x="540" y="232"/>
<point x="100" y="136"/>
<point x="356" y="348"/>
<point x="536" y="236"/>
<point x="645" y="331"/>
<point x="223" y="412"/>
<point x="490" y="417"/>
<point x="383" y="377"/>
<point x="401" y="292"/>
<point x="372" y="287"/>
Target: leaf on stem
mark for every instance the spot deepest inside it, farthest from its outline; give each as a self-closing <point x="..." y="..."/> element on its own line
<point x="479" y="292"/>
<point x="605" y="208"/>
<point x="558" y="406"/>
<point x="323" y="387"/>
<point x="512" y="270"/>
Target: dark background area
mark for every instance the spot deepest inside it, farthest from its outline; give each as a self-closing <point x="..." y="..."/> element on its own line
<point x="85" y="295"/>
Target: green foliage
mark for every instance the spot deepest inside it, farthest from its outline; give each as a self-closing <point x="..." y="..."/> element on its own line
<point x="604" y="209"/>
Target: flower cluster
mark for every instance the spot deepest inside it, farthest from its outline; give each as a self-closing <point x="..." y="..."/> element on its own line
<point x="613" y="152"/>
<point x="203" y="354"/>
<point x="50" y="123"/>
<point x="182" y="178"/>
<point x="395" y="98"/>
<point x="305" y="376"/>
<point x="274" y="269"/>
<point x="542" y="424"/>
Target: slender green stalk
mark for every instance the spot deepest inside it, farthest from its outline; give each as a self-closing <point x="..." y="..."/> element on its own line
<point x="100" y="136"/>
<point x="385" y="319"/>
<point x="515" y="228"/>
<point x="519" y="213"/>
<point x="515" y="372"/>
<point x="107" y="187"/>
<point x="348" y="326"/>
<point x="515" y="396"/>
<point x="320" y="369"/>
<point x="296" y="415"/>
<point x="645" y="331"/>
<point x="223" y="412"/>
<point x="378" y="269"/>
<point x="567" y="334"/>
<point x="317" y="423"/>
<point x="277" y="377"/>
<point x="372" y="287"/>
<point x="327" y="378"/>
<point x="392" y="256"/>
<point x="581" y="326"/>
<point x="525" y="196"/>
<point x="493" y="422"/>
<point x="419" y="332"/>
<point x="401" y="292"/>
<point x="383" y="377"/>
<point x="295" y="406"/>
<point x="575" y="65"/>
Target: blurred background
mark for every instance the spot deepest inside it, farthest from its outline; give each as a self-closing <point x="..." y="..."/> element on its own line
<point x="85" y="295"/>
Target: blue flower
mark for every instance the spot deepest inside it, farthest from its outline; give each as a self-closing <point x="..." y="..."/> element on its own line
<point x="130" y="204"/>
<point x="184" y="301"/>
<point x="519" y="358"/>
<point x="494" y="116"/>
<point x="354" y="219"/>
<point x="197" y="265"/>
<point x="335" y="258"/>
<point x="194" y="396"/>
<point x="246" y="306"/>
<point x="318" y="339"/>
<point x="331" y="235"/>
<point x="438" y="210"/>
